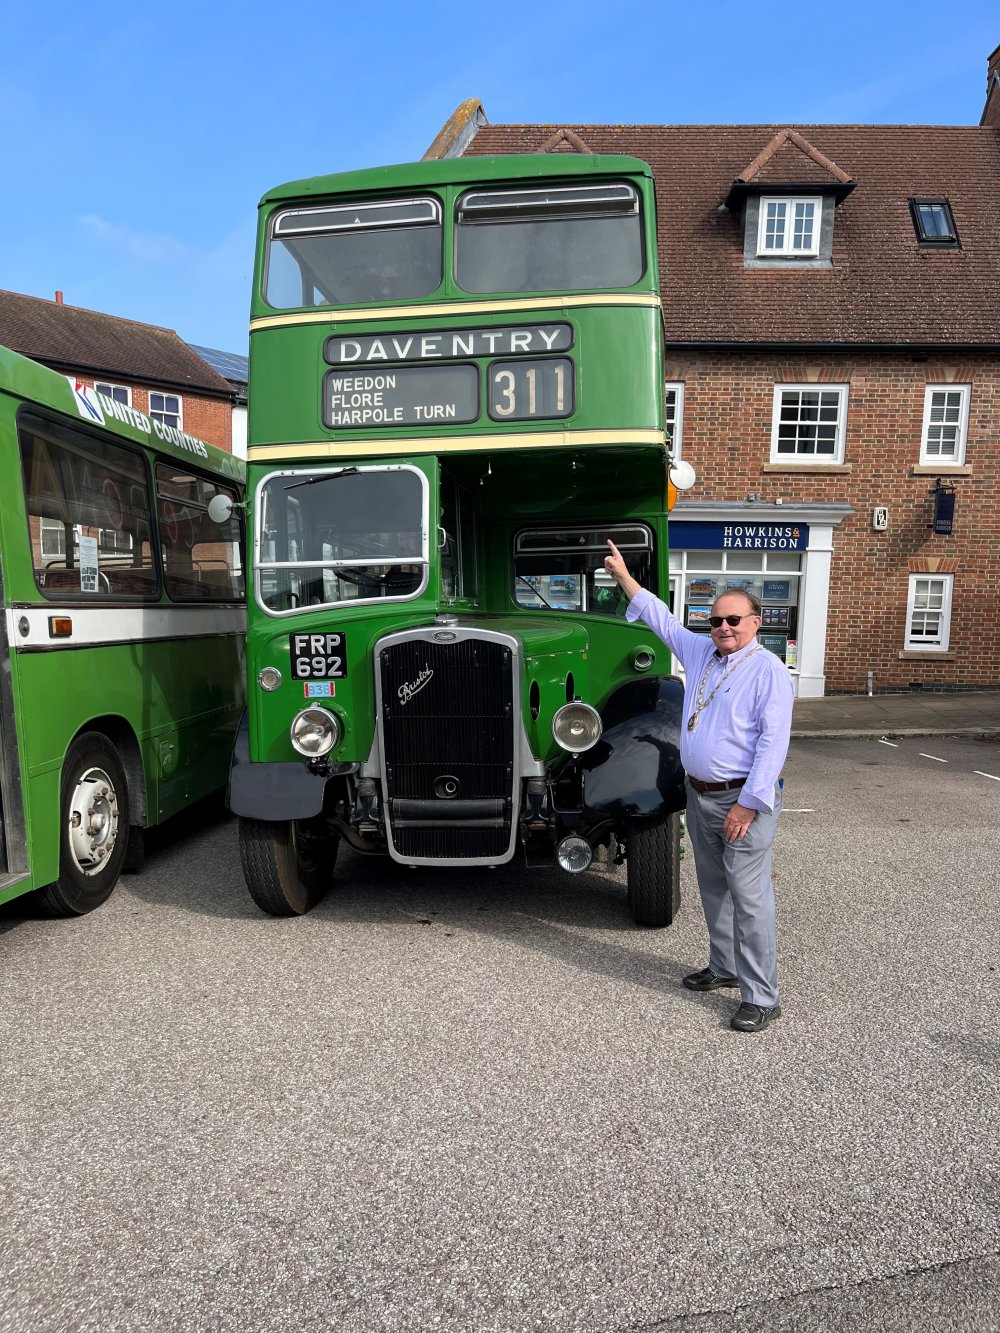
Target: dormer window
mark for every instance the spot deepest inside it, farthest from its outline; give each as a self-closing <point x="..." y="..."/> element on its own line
<point x="789" y="227"/>
<point x="934" y="223"/>
<point x="787" y="197"/>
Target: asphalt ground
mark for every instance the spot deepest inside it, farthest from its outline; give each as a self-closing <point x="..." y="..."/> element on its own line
<point x="483" y="1102"/>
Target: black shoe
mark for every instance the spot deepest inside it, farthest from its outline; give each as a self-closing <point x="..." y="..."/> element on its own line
<point x="706" y="979"/>
<point x="754" y="1017"/>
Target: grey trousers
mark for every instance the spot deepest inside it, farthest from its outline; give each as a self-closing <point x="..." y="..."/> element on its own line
<point x="737" y="895"/>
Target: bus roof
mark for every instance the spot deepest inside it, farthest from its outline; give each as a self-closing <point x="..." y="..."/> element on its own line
<point x="460" y="171"/>
<point x="29" y="380"/>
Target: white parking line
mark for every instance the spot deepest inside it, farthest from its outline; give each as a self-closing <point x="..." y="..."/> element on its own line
<point x="883" y="741"/>
<point x="986" y="775"/>
<point x="932" y="756"/>
<point x="806" y="810"/>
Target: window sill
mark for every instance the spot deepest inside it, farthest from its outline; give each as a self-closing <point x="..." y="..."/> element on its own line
<point x="798" y="263"/>
<point x="941" y="470"/>
<point x="831" y="469"/>
<point x="926" y="655"/>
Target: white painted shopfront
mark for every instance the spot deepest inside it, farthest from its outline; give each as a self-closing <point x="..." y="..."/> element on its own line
<point x="782" y="553"/>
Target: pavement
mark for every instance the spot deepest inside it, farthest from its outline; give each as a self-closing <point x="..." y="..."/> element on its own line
<point x="931" y="713"/>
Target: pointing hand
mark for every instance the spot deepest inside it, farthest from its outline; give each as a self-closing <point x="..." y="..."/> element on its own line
<point x="614" y="565"/>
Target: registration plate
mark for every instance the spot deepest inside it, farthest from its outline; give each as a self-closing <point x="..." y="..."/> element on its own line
<point x="318" y="656"/>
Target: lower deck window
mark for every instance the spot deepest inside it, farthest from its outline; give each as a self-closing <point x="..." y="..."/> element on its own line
<point x="562" y="569"/>
<point x="201" y="559"/>
<point x="88" y="514"/>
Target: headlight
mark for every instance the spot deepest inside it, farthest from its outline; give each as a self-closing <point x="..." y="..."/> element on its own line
<point x="315" y="732"/>
<point x="574" y="854"/>
<point x="577" y="727"/>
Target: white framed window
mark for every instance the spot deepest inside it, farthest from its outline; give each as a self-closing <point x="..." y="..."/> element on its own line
<point x="119" y="393"/>
<point x="53" y="538"/>
<point x="166" y="408"/>
<point x="946" y="423"/>
<point x="789" y="227"/>
<point x="928" y="612"/>
<point x="674" y="403"/>
<point x="808" y="423"/>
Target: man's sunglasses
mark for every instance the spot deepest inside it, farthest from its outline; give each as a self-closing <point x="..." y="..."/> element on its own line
<point x="716" y="621"/>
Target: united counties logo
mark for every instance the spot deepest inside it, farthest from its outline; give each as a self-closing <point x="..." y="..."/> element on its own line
<point x="86" y="400"/>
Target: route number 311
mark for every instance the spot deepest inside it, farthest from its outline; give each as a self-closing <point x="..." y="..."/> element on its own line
<point x="529" y="389"/>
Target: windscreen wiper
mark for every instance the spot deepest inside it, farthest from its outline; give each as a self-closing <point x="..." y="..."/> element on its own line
<point x="327" y="476"/>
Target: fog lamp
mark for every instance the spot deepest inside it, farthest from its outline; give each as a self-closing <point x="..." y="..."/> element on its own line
<point x="574" y="854"/>
<point x="577" y="727"/>
<point x="315" y="732"/>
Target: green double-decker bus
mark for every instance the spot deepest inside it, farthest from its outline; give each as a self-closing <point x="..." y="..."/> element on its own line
<point x="122" y="632"/>
<point x="456" y="399"/>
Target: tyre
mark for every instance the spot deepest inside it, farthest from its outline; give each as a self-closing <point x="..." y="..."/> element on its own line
<point x="653" y="868"/>
<point x="93" y="837"/>
<point x="287" y="866"/>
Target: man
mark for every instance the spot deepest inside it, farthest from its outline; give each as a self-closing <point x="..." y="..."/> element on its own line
<point x="734" y="738"/>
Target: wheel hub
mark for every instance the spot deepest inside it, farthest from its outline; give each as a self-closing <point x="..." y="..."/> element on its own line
<point x="93" y="821"/>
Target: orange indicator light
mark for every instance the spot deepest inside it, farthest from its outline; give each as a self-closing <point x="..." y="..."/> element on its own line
<point x="60" y="627"/>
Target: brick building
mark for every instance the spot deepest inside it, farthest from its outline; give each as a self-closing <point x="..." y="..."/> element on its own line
<point x="140" y="365"/>
<point x="830" y="298"/>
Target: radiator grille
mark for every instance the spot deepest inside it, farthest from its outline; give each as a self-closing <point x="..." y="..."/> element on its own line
<point x="448" y="713"/>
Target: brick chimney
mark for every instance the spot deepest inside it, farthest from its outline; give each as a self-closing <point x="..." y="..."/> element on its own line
<point x="991" y="111"/>
<point x="59" y="299"/>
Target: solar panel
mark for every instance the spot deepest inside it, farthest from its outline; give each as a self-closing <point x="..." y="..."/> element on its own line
<point x="228" y="364"/>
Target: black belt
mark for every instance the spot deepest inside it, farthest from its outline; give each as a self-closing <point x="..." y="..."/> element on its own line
<point x="702" y="787"/>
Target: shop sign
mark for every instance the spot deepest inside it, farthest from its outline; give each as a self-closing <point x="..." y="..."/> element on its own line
<point x="740" y="536"/>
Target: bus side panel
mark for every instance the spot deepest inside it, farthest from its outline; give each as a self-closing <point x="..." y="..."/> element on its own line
<point x="43" y="826"/>
<point x="183" y="719"/>
<point x="192" y="760"/>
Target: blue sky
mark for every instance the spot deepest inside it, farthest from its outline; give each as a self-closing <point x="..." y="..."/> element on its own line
<point x="139" y="140"/>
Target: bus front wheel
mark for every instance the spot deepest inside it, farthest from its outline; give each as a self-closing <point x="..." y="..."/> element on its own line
<point x="653" y="866"/>
<point x="287" y="866"/>
<point x="94" y="814"/>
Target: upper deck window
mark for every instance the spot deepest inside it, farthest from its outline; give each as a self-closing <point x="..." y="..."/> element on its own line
<point x="346" y="254"/>
<point x="555" y="238"/>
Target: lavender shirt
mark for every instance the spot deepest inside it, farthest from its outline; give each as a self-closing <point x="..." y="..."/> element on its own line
<point x="744" y="731"/>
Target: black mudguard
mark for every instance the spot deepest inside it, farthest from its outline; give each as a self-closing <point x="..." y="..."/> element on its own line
<point x="634" y="770"/>
<point x="275" y="792"/>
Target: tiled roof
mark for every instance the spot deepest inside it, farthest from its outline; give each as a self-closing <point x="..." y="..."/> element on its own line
<point x="883" y="288"/>
<point x="790" y="157"/>
<point x="68" y="337"/>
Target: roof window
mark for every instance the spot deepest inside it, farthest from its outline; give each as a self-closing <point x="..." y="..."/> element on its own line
<point x="934" y="223"/>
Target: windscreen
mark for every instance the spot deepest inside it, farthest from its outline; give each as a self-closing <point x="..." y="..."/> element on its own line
<point x="334" y="536"/>
<point x="346" y="254"/>
<point x="555" y="238"/>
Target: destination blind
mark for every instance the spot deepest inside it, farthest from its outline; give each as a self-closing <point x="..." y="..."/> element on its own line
<point x="363" y="391"/>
